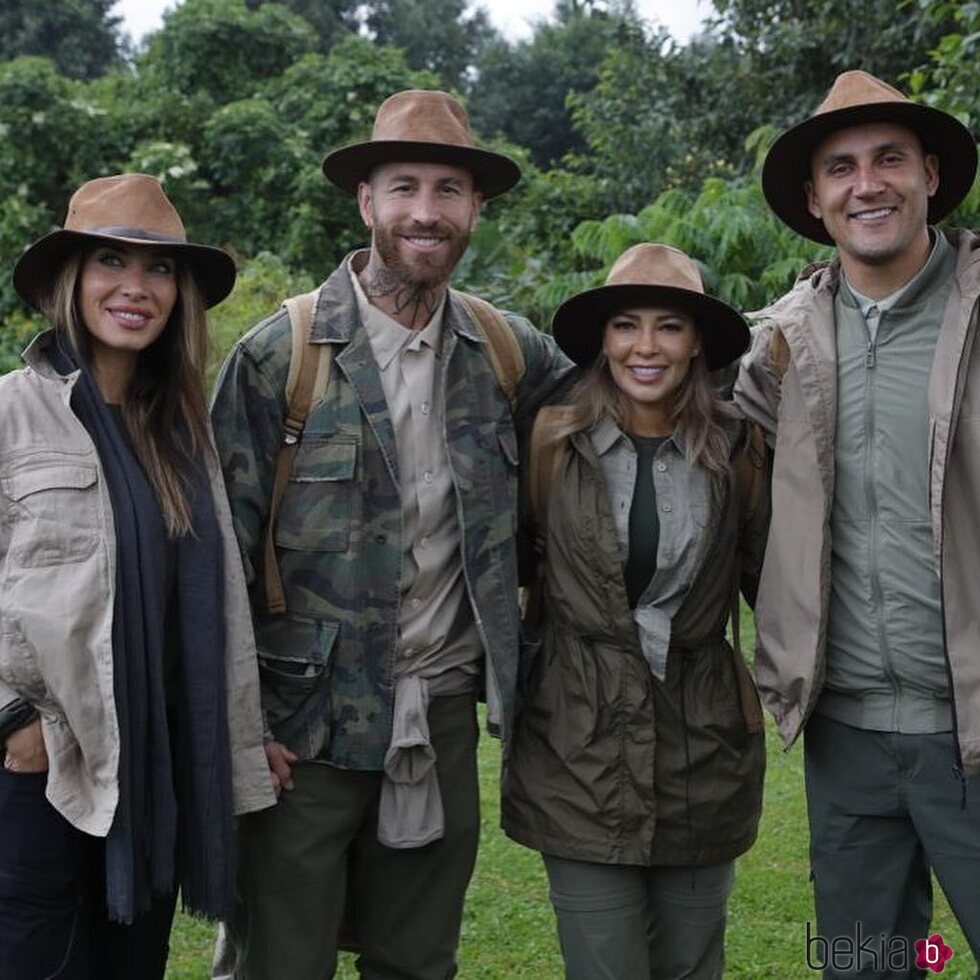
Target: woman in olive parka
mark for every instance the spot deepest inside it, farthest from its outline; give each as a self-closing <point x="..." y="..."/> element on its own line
<point x="637" y="762"/>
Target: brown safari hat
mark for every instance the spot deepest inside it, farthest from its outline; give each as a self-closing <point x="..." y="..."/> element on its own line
<point x="128" y="209"/>
<point x="856" y="98"/>
<point x="650" y="274"/>
<point x="421" y="127"/>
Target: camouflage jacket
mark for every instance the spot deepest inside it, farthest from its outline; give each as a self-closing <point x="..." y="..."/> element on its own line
<point x="326" y="664"/>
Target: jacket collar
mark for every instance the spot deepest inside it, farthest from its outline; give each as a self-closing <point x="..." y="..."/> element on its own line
<point x="938" y="266"/>
<point x="967" y="245"/>
<point x="35" y="356"/>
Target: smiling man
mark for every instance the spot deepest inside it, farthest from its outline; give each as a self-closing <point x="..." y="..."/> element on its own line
<point x="867" y="378"/>
<point x="394" y="540"/>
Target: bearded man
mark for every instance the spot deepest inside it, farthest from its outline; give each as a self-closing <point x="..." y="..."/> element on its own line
<point x="394" y="541"/>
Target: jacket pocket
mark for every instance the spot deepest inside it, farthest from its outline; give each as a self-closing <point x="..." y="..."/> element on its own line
<point x="55" y="512"/>
<point x="294" y="667"/>
<point x="315" y="513"/>
<point x="713" y="696"/>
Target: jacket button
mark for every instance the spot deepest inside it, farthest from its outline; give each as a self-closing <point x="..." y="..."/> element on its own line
<point x="381" y="538"/>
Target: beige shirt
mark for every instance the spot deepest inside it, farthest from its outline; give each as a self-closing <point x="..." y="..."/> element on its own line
<point x="437" y="634"/>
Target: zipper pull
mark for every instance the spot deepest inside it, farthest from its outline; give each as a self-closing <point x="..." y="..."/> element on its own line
<point x="870" y="357"/>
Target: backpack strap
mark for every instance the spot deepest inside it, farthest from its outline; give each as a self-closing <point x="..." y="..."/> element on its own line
<point x="545" y="453"/>
<point x="546" y="450"/>
<point x="306" y="383"/>
<point x="503" y="347"/>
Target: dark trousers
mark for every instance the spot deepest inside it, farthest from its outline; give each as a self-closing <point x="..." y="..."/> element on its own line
<point x="316" y="853"/>
<point x="884" y="809"/>
<point x="53" y="921"/>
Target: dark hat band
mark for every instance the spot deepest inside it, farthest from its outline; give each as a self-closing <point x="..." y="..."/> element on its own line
<point x="115" y="231"/>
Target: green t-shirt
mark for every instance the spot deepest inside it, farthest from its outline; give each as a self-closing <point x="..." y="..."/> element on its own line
<point x="641" y="562"/>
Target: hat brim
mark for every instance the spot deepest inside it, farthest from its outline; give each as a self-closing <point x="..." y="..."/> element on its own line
<point x="579" y="322"/>
<point x="787" y="166"/>
<point x="493" y="173"/>
<point x="36" y="269"/>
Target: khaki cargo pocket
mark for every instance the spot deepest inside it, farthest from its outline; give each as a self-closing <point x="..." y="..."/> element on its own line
<point x="315" y="510"/>
<point x="55" y="510"/>
<point x="294" y="661"/>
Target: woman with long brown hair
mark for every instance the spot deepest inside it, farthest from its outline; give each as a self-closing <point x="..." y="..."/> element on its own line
<point x="129" y="710"/>
<point x="637" y="760"/>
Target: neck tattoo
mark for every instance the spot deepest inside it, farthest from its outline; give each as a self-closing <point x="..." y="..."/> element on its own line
<point x="418" y="299"/>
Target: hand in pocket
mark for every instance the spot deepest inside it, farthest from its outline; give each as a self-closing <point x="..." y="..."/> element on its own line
<point x="25" y="750"/>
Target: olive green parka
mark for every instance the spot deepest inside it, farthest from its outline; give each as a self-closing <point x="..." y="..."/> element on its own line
<point x="609" y="764"/>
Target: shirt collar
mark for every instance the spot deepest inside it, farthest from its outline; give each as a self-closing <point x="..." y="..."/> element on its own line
<point x="607" y="434"/>
<point x="388" y="337"/>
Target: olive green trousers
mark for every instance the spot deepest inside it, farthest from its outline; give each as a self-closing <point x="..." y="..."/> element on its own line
<point x="620" y="922"/>
<point x="313" y="877"/>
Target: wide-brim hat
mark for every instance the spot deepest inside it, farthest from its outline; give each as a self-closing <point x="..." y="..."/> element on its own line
<point x="421" y="127"/>
<point x="650" y="274"/>
<point x="854" y="99"/>
<point x="126" y="209"/>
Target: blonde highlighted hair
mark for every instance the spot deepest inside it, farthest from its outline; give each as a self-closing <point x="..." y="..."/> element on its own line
<point x="165" y="409"/>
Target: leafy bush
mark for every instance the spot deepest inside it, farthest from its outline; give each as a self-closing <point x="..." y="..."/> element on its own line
<point x="262" y="284"/>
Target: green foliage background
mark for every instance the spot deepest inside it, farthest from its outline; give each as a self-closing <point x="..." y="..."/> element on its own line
<point x="624" y="135"/>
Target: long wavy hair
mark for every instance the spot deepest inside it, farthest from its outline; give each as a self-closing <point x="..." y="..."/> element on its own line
<point x="695" y="409"/>
<point x="165" y="409"/>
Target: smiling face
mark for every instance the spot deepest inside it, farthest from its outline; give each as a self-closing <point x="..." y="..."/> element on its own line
<point x="870" y="187"/>
<point x="125" y="298"/>
<point x="420" y="216"/>
<point x="649" y="350"/>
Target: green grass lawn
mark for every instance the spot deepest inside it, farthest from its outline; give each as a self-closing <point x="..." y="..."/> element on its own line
<point x="508" y="926"/>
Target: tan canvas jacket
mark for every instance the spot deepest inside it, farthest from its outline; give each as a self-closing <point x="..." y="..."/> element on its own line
<point x="788" y="384"/>
<point x="57" y="578"/>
